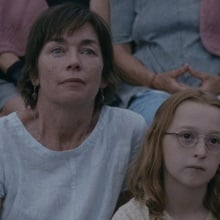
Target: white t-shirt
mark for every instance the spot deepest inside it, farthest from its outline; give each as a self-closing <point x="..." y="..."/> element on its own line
<point x="37" y="183"/>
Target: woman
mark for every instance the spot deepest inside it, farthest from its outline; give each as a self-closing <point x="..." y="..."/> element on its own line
<point x="16" y="19"/>
<point x="176" y="174"/>
<point x="158" y="51"/>
<point x="70" y="160"/>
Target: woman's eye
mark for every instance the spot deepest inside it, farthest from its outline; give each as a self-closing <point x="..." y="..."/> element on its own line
<point x="58" y="50"/>
<point x="88" y="51"/>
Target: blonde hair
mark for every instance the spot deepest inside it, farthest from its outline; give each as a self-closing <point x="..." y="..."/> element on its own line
<point x="146" y="173"/>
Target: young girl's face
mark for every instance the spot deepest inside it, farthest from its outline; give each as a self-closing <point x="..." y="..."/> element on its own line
<point x="192" y="155"/>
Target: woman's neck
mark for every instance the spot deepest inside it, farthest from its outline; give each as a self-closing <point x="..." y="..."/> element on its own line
<point x="63" y="129"/>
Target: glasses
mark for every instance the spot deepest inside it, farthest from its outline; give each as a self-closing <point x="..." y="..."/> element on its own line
<point x="189" y="139"/>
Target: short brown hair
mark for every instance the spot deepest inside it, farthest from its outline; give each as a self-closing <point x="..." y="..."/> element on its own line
<point x="54" y="22"/>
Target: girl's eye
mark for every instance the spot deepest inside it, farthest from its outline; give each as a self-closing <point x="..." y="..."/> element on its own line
<point x="187" y="135"/>
<point x="214" y="140"/>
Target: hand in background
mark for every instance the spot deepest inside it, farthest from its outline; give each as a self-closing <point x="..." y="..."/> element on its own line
<point x="167" y="81"/>
<point x="209" y="82"/>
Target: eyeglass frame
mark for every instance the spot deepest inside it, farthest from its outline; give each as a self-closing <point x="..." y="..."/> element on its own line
<point x="197" y="136"/>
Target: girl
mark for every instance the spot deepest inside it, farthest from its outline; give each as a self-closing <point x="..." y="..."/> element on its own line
<point x="176" y="175"/>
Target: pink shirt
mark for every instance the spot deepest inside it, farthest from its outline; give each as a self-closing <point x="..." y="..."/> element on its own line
<point x="16" y="18"/>
<point x="210" y="25"/>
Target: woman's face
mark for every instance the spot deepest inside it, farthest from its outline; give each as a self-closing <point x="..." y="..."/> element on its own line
<point x="188" y="162"/>
<point x="70" y="69"/>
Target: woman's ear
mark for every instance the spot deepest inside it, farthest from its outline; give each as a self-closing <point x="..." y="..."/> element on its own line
<point x="35" y="80"/>
<point x="103" y="84"/>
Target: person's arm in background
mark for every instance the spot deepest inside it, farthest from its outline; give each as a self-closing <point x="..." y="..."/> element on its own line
<point x="7" y="59"/>
<point x="102" y="8"/>
<point x="16" y="19"/>
<point x="134" y="72"/>
<point x="10" y="66"/>
<point x="130" y="68"/>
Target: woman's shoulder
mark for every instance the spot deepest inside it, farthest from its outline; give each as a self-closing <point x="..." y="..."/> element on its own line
<point x="124" y="114"/>
<point x="123" y="119"/>
<point x="10" y="125"/>
<point x="132" y="210"/>
<point x="8" y="119"/>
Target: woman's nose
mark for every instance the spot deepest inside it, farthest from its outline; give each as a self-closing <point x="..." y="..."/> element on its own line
<point x="73" y="61"/>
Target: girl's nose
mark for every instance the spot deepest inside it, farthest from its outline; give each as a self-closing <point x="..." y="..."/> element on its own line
<point x="200" y="149"/>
